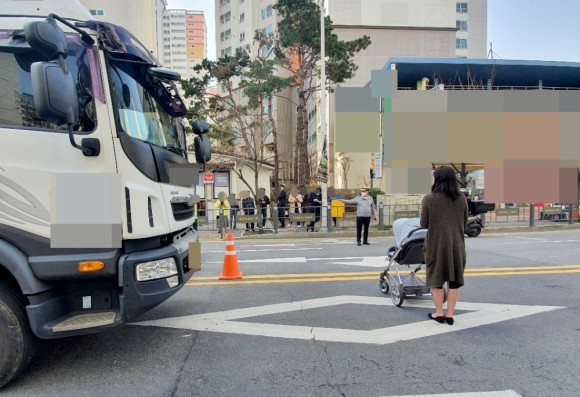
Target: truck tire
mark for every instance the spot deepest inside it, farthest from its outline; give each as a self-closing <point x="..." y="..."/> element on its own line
<point x="17" y="342"/>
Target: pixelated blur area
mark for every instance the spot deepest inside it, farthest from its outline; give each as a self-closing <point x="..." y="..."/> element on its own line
<point x="86" y="211"/>
<point x="525" y="139"/>
<point x="184" y="174"/>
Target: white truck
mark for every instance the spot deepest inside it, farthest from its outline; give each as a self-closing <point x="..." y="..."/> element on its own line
<point x="96" y="216"/>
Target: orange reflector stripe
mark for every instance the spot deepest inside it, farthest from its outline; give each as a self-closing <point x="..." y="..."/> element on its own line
<point x="91" y="266"/>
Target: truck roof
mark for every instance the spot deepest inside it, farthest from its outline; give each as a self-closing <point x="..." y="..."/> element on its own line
<point x="69" y="9"/>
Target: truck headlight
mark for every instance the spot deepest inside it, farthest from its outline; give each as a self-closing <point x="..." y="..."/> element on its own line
<point x="154" y="270"/>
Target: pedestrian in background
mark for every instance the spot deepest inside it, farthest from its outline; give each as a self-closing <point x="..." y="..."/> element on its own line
<point x="299" y="201"/>
<point x="315" y="201"/>
<point x="222" y="206"/>
<point x="281" y="204"/>
<point x="444" y="213"/>
<point x="365" y="209"/>
<point x="291" y="205"/>
<point x="234" y="208"/>
<point x="264" y="202"/>
<point x="249" y="207"/>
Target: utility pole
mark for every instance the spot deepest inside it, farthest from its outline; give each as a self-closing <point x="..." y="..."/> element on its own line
<point x="323" y="185"/>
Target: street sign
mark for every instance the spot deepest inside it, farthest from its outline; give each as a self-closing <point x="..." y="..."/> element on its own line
<point x="507" y="211"/>
<point x="406" y="214"/>
<point x="552" y="210"/>
<point x="208" y="177"/>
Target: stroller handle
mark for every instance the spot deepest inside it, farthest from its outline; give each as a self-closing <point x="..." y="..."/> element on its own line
<point x="413" y="231"/>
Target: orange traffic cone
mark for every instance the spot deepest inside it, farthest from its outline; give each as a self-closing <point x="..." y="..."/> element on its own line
<point x="230" y="270"/>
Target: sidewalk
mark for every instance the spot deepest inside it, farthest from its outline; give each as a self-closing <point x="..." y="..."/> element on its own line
<point x="295" y="233"/>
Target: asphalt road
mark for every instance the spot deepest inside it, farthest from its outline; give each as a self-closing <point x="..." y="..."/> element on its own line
<point x="308" y="319"/>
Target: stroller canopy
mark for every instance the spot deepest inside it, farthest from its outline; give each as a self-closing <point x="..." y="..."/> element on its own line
<point x="403" y="226"/>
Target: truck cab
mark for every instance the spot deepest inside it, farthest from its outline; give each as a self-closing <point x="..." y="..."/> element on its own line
<point x="96" y="202"/>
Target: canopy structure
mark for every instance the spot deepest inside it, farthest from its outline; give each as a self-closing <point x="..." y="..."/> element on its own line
<point x="499" y="73"/>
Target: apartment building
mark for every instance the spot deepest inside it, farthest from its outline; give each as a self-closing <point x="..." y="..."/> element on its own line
<point x="143" y="18"/>
<point x="184" y="40"/>
<point x="236" y="22"/>
<point x="471" y="23"/>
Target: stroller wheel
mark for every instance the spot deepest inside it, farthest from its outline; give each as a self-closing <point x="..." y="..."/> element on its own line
<point x="384" y="286"/>
<point x="398" y="295"/>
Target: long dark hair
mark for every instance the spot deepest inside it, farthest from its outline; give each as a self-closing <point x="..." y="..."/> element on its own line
<point x="446" y="183"/>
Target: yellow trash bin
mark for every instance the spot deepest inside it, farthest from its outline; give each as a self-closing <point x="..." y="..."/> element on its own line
<point x="336" y="209"/>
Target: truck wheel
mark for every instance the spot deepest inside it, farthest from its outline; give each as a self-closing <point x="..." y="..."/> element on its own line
<point x="17" y="343"/>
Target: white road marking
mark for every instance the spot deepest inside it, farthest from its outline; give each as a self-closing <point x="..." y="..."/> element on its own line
<point x="479" y="314"/>
<point x="541" y="241"/>
<point x="371" y="261"/>
<point x="268" y="250"/>
<point x="503" y="393"/>
<point x="367" y="261"/>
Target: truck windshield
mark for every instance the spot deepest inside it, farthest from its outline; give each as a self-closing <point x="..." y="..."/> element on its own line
<point x="137" y="101"/>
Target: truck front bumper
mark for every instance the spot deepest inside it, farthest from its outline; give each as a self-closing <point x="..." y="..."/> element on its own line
<point x="90" y="305"/>
<point x="140" y="296"/>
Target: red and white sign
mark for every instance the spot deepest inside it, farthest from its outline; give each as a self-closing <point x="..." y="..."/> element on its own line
<point x="208" y="177"/>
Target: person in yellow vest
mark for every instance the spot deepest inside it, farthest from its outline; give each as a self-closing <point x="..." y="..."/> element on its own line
<point x="222" y="205"/>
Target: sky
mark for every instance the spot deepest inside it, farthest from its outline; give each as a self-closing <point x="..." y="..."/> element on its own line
<point x="544" y="30"/>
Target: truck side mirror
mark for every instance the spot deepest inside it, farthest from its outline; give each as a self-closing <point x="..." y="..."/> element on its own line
<point x="199" y="126"/>
<point x="53" y="86"/>
<point x="46" y="38"/>
<point x="55" y="94"/>
<point x="202" y="150"/>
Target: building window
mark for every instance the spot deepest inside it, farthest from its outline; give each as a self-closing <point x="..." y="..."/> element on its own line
<point x="462" y="26"/>
<point x="266" y="12"/>
<point x="265" y="52"/>
<point x="267" y="30"/>
<point x="227" y="51"/>
<point x="224" y="2"/>
<point x="461" y="8"/>
<point x="98" y="13"/>
<point x="242" y="17"/>
<point x="225" y="35"/>
<point x="226" y="17"/>
<point x="242" y="36"/>
<point x="460" y="43"/>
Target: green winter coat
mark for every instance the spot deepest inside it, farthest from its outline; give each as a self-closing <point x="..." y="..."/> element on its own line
<point x="444" y="247"/>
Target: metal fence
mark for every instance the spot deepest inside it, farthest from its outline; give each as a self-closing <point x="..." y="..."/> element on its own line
<point x="311" y="217"/>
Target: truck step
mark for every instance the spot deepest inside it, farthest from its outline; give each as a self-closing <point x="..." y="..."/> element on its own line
<point x="82" y="321"/>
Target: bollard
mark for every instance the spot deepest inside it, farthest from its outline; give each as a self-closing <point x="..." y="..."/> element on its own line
<point x="221" y="224"/>
<point x="381" y="213"/>
<point x="570" y="220"/>
<point x="275" y="219"/>
<point x="328" y="219"/>
<point x="532" y="215"/>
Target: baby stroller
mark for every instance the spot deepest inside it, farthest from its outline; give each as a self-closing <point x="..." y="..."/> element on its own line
<point x="408" y="251"/>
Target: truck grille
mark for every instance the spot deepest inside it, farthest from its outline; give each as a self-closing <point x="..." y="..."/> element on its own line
<point x="181" y="211"/>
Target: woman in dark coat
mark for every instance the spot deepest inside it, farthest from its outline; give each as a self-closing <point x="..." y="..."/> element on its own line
<point x="444" y="213"/>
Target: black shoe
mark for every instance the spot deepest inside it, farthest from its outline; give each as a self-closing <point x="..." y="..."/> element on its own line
<point x="366" y="243"/>
<point x="439" y="319"/>
<point x="358" y="243"/>
<point x="449" y="320"/>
